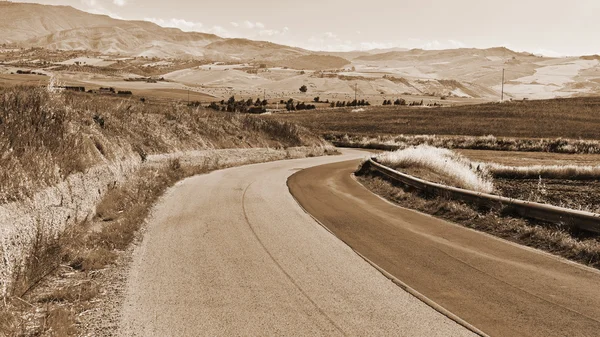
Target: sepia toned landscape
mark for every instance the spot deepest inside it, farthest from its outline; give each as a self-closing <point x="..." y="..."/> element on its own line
<point x="267" y="177"/>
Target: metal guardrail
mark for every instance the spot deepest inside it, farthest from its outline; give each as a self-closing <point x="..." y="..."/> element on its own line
<point x="580" y="219"/>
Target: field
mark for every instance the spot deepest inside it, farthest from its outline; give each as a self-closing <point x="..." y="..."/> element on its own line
<point x="567" y="118"/>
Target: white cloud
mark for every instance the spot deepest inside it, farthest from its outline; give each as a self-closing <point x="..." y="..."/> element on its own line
<point x="252" y="25"/>
<point x="218" y="30"/>
<point x="182" y="24"/>
<point x="119" y="3"/>
<point x="102" y="11"/>
<point x="547" y="52"/>
<point x="235" y="24"/>
<point x="273" y="32"/>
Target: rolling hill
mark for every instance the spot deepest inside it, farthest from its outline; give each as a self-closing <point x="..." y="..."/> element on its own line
<point x="64" y="27"/>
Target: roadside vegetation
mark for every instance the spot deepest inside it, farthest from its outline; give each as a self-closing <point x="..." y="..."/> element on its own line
<point x="442" y="165"/>
<point x="544" y="184"/>
<point x="78" y="177"/>
<point x="45" y="136"/>
<point x="570" y="172"/>
<point x="570" y="186"/>
<point x="490" y="142"/>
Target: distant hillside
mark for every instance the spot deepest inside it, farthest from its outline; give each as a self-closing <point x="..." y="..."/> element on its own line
<point x="314" y="62"/>
<point x="244" y="49"/>
<point x="441" y="54"/>
<point x="63" y="27"/>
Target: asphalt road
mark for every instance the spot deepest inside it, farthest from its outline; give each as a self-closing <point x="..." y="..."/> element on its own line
<point x="501" y="288"/>
<point x="231" y="253"/>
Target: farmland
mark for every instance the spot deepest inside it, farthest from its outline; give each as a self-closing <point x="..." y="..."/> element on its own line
<point x="566" y="118"/>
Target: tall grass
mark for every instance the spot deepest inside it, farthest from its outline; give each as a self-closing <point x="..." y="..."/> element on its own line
<point x="459" y="171"/>
<point x="490" y="142"/>
<point x="570" y="172"/>
<point x="46" y="135"/>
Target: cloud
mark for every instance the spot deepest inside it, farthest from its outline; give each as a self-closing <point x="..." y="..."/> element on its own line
<point x="102" y="11"/>
<point x="187" y="26"/>
<point x="97" y="7"/>
<point x="273" y="32"/>
<point x="252" y="25"/>
<point x="235" y="24"/>
<point x="98" y="3"/>
<point x="218" y="30"/>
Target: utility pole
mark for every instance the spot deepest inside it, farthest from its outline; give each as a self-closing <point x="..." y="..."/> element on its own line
<point x="355" y="88"/>
<point x="502" y="97"/>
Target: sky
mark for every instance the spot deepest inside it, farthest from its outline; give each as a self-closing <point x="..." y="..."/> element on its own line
<point x="548" y="27"/>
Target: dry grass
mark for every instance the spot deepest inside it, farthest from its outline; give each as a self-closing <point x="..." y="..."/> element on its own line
<point x="45" y="136"/>
<point x="571" y="172"/>
<point x="390" y="143"/>
<point x="566" y="242"/>
<point x="571" y="118"/>
<point x="453" y="168"/>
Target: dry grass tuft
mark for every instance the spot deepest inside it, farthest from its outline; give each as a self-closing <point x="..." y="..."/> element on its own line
<point x="71" y="293"/>
<point x="454" y="169"/>
<point x="60" y="322"/>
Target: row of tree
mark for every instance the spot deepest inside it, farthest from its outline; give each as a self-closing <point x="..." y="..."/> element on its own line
<point x="243" y="106"/>
<point x="399" y="101"/>
<point x="354" y="103"/>
<point x="290" y="106"/>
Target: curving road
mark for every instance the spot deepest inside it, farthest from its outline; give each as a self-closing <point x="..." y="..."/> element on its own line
<point x="501" y="288"/>
<point x="232" y="253"/>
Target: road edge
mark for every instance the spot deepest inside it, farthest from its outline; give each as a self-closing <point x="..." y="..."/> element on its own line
<point x="435" y="306"/>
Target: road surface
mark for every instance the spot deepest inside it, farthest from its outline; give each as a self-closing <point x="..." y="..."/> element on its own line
<point x="501" y="288"/>
<point x="231" y="253"/>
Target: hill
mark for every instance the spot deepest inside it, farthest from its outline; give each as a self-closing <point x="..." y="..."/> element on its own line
<point x="314" y="62"/>
<point x="64" y="27"/>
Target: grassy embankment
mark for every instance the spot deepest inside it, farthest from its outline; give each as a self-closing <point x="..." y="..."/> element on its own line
<point x="63" y="154"/>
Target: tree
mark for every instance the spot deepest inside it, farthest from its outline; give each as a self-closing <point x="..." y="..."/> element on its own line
<point x="303" y="88"/>
<point x="317" y="99"/>
<point x="400" y="101"/>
